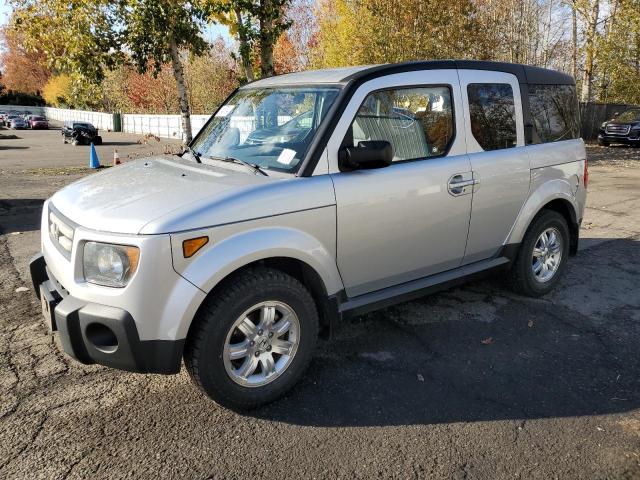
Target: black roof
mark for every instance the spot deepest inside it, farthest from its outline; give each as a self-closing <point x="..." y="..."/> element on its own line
<point x="524" y="73"/>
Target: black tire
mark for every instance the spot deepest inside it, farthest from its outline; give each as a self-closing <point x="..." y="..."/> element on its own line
<point x="522" y="278"/>
<point x="602" y="143"/>
<point x="204" y="348"/>
<point x="97" y="140"/>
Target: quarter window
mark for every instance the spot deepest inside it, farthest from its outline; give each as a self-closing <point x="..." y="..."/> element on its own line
<point x="417" y="122"/>
<point x="493" y="115"/>
<point x="554" y="111"/>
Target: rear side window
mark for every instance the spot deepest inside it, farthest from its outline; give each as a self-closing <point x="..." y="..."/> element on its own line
<point x="417" y="122"/>
<point x="554" y="111"/>
<point x="493" y="115"/>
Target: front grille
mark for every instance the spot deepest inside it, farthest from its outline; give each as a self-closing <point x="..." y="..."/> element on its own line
<point x="618" y="129"/>
<point x="61" y="233"/>
<point x="57" y="285"/>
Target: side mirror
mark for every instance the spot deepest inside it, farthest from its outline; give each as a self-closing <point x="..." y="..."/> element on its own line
<point x="368" y="154"/>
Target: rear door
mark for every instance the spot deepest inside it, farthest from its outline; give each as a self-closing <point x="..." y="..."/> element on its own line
<point x="499" y="160"/>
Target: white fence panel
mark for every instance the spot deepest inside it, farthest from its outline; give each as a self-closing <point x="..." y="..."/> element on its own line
<point x="102" y="121"/>
<point x="167" y="126"/>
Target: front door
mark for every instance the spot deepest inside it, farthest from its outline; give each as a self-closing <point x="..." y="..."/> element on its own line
<point x="410" y="219"/>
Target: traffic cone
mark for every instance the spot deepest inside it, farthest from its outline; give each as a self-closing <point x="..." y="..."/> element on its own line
<point x="93" y="158"/>
<point x="116" y="158"/>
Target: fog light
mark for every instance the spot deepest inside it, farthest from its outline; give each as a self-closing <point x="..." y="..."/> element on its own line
<point x="102" y="337"/>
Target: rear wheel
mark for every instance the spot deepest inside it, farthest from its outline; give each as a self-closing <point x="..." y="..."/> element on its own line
<point x="252" y="341"/>
<point x="543" y="255"/>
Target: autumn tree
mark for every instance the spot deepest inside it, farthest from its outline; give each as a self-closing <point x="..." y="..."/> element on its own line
<point x="618" y="54"/>
<point x="211" y="77"/>
<point x="160" y="31"/>
<point x="24" y="69"/>
<point x="256" y="24"/>
<point x="57" y="91"/>
<point x="293" y="49"/>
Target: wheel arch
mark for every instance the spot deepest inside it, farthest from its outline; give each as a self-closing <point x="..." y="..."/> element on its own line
<point x="298" y="269"/>
<point x="560" y="202"/>
<point x="292" y="251"/>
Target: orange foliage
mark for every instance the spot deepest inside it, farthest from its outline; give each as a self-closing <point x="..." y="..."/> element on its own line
<point x="22" y="70"/>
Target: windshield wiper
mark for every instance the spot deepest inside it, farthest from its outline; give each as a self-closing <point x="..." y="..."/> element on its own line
<point x="252" y="166"/>
<point x="192" y="152"/>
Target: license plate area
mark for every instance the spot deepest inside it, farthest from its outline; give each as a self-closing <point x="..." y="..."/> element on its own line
<point x="48" y="301"/>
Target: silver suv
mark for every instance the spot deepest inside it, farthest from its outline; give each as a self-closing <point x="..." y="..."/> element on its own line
<point x="308" y="198"/>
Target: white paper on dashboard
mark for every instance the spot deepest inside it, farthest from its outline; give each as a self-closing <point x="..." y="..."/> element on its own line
<point x="286" y="156"/>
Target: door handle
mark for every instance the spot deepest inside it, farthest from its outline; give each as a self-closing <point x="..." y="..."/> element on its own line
<point x="458" y="185"/>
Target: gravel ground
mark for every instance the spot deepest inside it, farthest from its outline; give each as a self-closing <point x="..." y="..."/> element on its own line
<point x="475" y="382"/>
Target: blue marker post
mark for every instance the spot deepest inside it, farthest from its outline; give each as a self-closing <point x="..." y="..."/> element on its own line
<point x="93" y="158"/>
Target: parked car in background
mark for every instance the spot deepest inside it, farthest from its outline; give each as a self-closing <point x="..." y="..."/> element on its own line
<point x="3" y="114"/>
<point x="80" y="133"/>
<point x="37" y="122"/>
<point x="364" y="187"/>
<point x="18" y="123"/>
<point x="623" y="128"/>
<point x="25" y="114"/>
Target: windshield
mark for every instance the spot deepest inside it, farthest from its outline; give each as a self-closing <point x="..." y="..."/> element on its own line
<point x="268" y="127"/>
<point x="629" y="116"/>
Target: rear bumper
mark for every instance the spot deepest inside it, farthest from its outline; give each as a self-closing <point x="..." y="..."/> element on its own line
<point x="94" y="333"/>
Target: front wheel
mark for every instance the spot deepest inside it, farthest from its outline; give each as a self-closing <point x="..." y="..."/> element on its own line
<point x="543" y="255"/>
<point x="253" y="339"/>
<point x="603" y="143"/>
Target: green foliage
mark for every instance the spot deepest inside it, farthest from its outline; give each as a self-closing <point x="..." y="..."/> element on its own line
<point x="75" y="36"/>
<point x="255" y="23"/>
<point x="150" y="25"/>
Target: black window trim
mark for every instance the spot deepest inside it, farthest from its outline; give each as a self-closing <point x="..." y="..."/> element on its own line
<point x="411" y="87"/>
<point x="515" y="113"/>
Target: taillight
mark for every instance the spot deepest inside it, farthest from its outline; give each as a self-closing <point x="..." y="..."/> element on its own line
<point x="585" y="176"/>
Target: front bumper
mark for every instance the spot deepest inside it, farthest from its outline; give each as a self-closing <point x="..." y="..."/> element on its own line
<point x="632" y="139"/>
<point x="94" y="333"/>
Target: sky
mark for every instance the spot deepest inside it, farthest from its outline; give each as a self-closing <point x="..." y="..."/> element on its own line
<point x="5" y="10"/>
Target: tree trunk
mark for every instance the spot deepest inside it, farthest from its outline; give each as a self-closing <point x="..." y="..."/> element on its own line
<point x="266" y="39"/>
<point x="574" y="41"/>
<point x="245" y="47"/>
<point x="178" y="74"/>
<point x="590" y="47"/>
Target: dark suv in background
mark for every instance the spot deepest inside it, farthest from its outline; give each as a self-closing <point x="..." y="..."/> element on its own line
<point x="623" y="128"/>
<point x="78" y="133"/>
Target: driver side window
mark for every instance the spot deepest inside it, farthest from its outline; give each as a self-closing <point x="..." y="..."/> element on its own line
<point x="416" y="121"/>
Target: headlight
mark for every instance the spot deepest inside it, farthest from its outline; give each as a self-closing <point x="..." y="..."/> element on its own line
<point x="109" y="265"/>
<point x="604" y="124"/>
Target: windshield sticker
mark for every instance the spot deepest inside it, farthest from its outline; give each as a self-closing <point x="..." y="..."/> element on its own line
<point x="286" y="156"/>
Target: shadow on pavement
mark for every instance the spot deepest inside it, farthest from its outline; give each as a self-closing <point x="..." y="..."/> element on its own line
<point x="20" y="215"/>
<point x="534" y="358"/>
<point x="12" y="147"/>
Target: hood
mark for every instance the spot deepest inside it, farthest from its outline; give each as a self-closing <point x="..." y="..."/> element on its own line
<point x="125" y="198"/>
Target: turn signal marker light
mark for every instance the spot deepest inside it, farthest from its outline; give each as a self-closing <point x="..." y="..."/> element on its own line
<point x="191" y="246"/>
